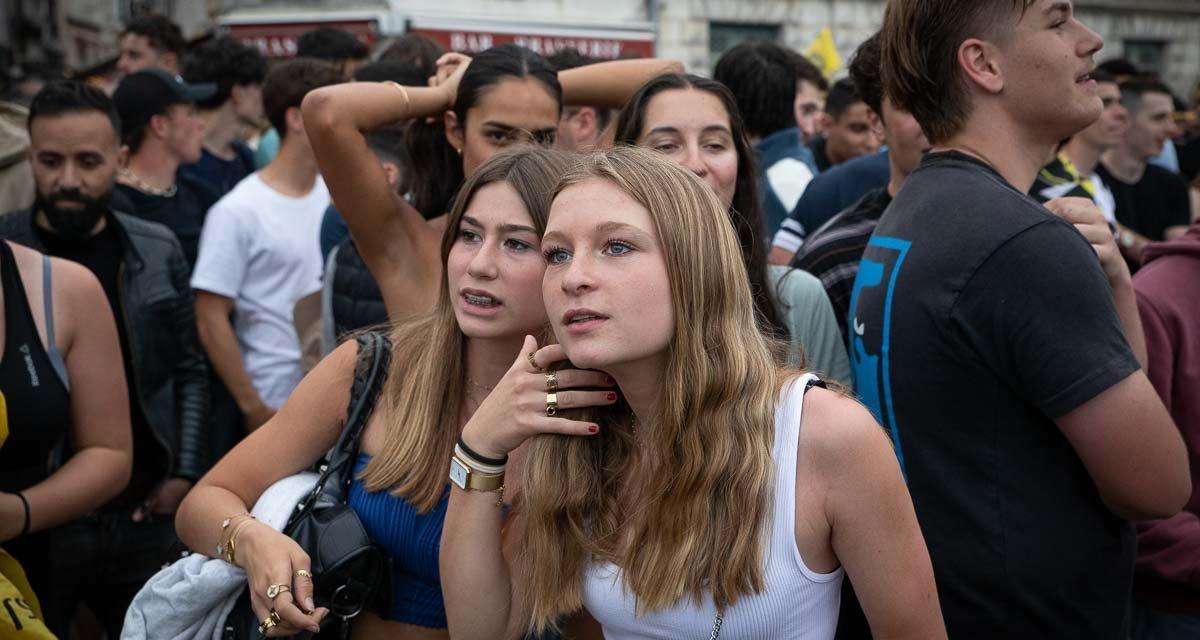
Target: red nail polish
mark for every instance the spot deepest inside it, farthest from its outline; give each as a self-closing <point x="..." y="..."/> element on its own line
<point x="593" y="428"/>
<point x="612" y="396"/>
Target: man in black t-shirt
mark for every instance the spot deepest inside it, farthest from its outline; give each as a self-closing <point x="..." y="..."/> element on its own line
<point x="1152" y="203"/>
<point x="162" y="130"/>
<point x="995" y="347"/>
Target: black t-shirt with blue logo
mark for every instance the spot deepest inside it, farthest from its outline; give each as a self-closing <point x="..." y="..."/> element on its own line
<point x="977" y="318"/>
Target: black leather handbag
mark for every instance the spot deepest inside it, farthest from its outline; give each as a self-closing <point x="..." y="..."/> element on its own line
<point x="350" y="572"/>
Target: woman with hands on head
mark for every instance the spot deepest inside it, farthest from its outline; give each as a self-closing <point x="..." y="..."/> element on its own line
<point x="720" y="496"/>
<point x="504" y="96"/>
<point x="445" y="362"/>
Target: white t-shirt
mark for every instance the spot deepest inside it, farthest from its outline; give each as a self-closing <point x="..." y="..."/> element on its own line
<point x="261" y="248"/>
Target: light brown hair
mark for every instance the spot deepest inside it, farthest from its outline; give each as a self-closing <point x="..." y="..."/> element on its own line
<point x="426" y="382"/>
<point x="920" y="41"/>
<point x="706" y="478"/>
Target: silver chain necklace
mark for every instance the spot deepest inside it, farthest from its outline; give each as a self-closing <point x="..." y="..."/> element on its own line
<point x="139" y="184"/>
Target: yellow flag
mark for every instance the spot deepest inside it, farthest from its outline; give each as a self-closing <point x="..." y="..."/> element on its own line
<point x="823" y="53"/>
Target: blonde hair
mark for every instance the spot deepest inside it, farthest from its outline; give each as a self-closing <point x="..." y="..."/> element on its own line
<point x="426" y="380"/>
<point x="709" y="475"/>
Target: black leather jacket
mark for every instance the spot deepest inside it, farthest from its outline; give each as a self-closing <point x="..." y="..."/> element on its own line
<point x="171" y="377"/>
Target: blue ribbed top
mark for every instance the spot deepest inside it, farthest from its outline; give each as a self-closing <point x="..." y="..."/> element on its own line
<point x="412" y="540"/>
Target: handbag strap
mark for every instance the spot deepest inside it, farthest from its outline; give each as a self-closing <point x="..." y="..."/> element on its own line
<point x="720" y="619"/>
<point x="374" y="358"/>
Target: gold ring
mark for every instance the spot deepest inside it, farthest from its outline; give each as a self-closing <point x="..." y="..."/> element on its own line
<point x="271" y="622"/>
<point x="303" y="573"/>
<point x="532" y="362"/>
<point x="551" y="382"/>
<point x="277" y="589"/>
<point x="551" y="403"/>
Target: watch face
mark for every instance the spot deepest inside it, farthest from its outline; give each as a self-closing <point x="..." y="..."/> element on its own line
<point x="458" y="473"/>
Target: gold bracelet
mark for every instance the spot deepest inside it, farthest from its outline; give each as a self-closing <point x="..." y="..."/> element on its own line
<point x="407" y="101"/>
<point x="225" y="524"/>
<point x="231" y="546"/>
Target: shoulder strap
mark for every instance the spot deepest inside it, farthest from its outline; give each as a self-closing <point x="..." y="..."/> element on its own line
<point x="56" y="361"/>
<point x="374" y="357"/>
<point x="328" y="327"/>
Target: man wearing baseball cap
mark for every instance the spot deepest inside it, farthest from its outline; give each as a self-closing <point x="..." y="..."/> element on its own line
<point x="162" y="131"/>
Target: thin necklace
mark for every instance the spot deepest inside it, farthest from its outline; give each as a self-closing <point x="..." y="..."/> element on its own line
<point x="139" y="184"/>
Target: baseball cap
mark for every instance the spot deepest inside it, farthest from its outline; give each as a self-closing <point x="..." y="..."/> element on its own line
<point x="149" y="92"/>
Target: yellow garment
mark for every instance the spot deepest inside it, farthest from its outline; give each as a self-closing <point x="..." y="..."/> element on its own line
<point x="20" y="613"/>
<point x="823" y="53"/>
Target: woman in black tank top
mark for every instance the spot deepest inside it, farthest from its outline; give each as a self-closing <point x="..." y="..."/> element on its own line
<point x="34" y="465"/>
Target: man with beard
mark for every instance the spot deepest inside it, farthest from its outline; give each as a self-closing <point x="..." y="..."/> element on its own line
<point x="75" y="151"/>
<point x="160" y="126"/>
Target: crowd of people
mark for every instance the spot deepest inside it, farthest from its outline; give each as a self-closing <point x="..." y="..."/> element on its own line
<point x="910" y="354"/>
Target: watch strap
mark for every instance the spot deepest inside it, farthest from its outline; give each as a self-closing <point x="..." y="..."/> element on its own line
<point x="477" y="481"/>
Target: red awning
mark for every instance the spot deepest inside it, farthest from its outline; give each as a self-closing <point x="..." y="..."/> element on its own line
<point x="597" y="43"/>
<point x="278" y="39"/>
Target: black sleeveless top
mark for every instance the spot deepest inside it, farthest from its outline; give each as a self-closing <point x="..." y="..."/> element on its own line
<point x="32" y="379"/>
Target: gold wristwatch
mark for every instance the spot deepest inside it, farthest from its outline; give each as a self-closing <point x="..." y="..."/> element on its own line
<point x="468" y="479"/>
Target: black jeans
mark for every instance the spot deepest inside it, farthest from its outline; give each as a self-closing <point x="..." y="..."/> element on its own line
<point x="102" y="560"/>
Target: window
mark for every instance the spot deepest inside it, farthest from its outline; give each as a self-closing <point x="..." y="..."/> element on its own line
<point x="723" y="36"/>
<point x="1147" y="55"/>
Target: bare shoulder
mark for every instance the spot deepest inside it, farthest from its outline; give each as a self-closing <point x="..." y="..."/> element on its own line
<point x="838" y="434"/>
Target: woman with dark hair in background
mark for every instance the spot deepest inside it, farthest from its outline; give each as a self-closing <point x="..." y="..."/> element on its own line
<point x="505" y="95"/>
<point x="695" y="121"/>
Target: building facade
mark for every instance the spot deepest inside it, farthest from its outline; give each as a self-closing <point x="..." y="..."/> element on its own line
<point x="1162" y="35"/>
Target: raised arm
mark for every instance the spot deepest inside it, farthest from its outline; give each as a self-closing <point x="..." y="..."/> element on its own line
<point x="611" y="84"/>
<point x="481" y="577"/>
<point x="874" y="533"/>
<point x="399" y="247"/>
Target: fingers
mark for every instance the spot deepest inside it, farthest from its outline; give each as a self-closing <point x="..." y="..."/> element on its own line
<point x="527" y="359"/>
<point x="567" y="427"/>
<point x="580" y="399"/>
<point x="293" y="620"/>
<point x="550" y="354"/>
<point x="580" y="378"/>
<point x="452" y="58"/>
<point x="1076" y="210"/>
<point x="302" y="582"/>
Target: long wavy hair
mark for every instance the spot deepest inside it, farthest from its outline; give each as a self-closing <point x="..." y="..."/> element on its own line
<point x="426" y="382"/>
<point x="703" y="497"/>
<point x="746" y="210"/>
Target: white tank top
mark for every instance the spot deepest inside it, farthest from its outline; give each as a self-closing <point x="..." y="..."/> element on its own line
<point x="796" y="603"/>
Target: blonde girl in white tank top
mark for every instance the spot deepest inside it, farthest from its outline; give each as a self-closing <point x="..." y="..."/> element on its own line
<point x="718" y="498"/>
